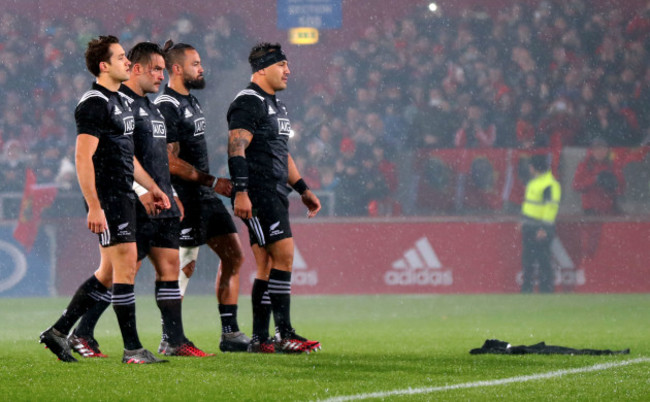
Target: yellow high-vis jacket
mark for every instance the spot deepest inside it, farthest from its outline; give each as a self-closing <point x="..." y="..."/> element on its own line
<point x="542" y="199"/>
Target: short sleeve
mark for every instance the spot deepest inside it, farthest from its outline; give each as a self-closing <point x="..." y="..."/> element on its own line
<point x="245" y="112"/>
<point x="91" y="115"/>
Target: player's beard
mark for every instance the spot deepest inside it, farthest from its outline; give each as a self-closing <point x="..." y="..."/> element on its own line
<point x="195" y="83"/>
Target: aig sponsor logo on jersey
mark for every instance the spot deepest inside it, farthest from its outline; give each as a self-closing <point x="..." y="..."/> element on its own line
<point x="199" y="126"/>
<point x="159" y="129"/>
<point x="129" y="125"/>
<point x="284" y="126"/>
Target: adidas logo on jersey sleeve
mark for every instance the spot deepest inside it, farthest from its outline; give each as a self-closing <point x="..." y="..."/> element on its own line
<point x="166" y="98"/>
<point x="250" y="92"/>
<point x="92" y="94"/>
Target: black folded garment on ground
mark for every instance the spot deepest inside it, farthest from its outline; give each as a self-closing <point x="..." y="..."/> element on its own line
<point x="495" y="346"/>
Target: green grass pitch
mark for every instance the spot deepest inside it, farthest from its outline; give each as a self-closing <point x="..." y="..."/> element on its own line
<point x="371" y="344"/>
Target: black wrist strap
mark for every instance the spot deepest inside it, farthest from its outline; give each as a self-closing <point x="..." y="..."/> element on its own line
<point x="238" y="173"/>
<point x="300" y="186"/>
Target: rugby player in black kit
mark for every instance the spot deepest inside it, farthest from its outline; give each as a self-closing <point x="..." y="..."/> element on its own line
<point x="262" y="170"/>
<point x="106" y="168"/>
<point x="157" y="233"/>
<point x="207" y="221"/>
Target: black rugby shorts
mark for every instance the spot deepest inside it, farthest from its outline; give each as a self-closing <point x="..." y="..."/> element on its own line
<point x="204" y="220"/>
<point x="157" y="232"/>
<point x="270" y="221"/>
<point x="120" y="216"/>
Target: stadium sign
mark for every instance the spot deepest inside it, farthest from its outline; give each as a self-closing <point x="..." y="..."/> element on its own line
<point x="303" y="36"/>
<point x="320" y="14"/>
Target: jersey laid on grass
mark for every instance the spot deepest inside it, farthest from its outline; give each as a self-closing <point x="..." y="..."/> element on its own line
<point x="105" y="115"/>
<point x="186" y="125"/>
<point x="150" y="139"/>
<point x="266" y="118"/>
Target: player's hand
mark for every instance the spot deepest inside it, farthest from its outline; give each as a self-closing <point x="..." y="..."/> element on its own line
<point x="243" y="207"/>
<point x="541" y="234"/>
<point x="160" y="199"/>
<point x="148" y="203"/>
<point x="223" y="187"/>
<point x="180" y="207"/>
<point x="96" y="220"/>
<point x="311" y="202"/>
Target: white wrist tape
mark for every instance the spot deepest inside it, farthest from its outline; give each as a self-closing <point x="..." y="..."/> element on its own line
<point x="214" y="183"/>
<point x="139" y="190"/>
<point x="174" y="193"/>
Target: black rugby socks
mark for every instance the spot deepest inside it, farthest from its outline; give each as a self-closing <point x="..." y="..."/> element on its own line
<point x="261" y="310"/>
<point x="124" y="306"/>
<point x="280" y="294"/>
<point x="228" y="314"/>
<point x="168" y="299"/>
<point x="89" y="293"/>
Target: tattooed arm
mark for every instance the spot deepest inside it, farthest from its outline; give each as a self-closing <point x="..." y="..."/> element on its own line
<point x="180" y="168"/>
<point x="238" y="141"/>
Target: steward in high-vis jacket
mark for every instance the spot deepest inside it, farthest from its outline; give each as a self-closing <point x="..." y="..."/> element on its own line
<point x="539" y="209"/>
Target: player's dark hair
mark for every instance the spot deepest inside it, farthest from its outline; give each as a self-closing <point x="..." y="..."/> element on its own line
<point x="261" y="49"/>
<point x="174" y="53"/>
<point x="539" y="162"/>
<point x="142" y="52"/>
<point x="264" y="55"/>
<point x="99" y="50"/>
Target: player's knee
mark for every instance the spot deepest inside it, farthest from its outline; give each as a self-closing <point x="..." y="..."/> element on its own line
<point x="239" y="258"/>
<point x="187" y="257"/>
<point x="168" y="271"/>
<point x="263" y="273"/>
<point x="283" y="260"/>
<point x="235" y="260"/>
<point x="228" y="270"/>
<point x="126" y="274"/>
<point x="189" y="269"/>
<point x="105" y="277"/>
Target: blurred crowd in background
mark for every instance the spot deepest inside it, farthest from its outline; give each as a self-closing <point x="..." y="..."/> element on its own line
<point x="549" y="76"/>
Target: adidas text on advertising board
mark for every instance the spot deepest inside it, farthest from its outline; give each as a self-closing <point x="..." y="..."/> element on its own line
<point x="419" y="266"/>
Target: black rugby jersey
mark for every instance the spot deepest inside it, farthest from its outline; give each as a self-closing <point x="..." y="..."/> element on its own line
<point x="266" y="118"/>
<point x="150" y="139"/>
<point x="186" y="125"/>
<point x="106" y="115"/>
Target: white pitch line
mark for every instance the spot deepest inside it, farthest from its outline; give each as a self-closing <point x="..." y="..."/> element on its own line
<point x="476" y="384"/>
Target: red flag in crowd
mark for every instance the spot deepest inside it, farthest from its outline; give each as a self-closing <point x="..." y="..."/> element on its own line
<point x="35" y="199"/>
